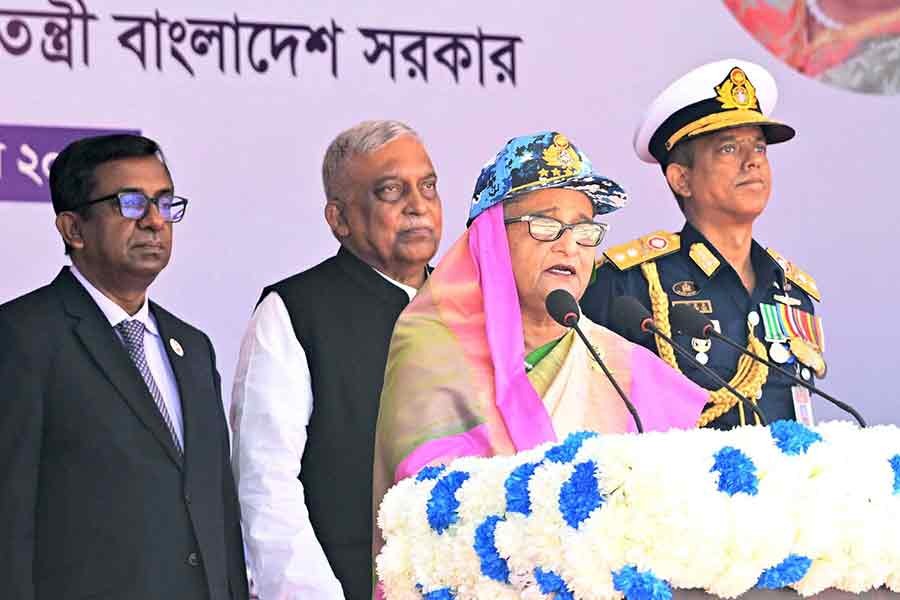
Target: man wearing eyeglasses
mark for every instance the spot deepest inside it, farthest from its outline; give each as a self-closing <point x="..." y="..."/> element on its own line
<point x="115" y="479"/>
<point x="308" y="381"/>
<point x="710" y="132"/>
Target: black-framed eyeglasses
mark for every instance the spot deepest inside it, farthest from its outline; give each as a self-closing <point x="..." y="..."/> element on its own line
<point x="548" y="229"/>
<point x="134" y="205"/>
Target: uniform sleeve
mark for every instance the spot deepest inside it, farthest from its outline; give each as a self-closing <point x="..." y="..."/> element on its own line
<point x="21" y="423"/>
<point x="271" y="406"/>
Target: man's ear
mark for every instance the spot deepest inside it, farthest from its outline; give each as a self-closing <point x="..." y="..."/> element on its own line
<point x="69" y="226"/>
<point x="679" y="179"/>
<point x="334" y="216"/>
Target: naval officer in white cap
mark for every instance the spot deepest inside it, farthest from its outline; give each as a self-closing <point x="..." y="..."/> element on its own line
<point x="710" y="131"/>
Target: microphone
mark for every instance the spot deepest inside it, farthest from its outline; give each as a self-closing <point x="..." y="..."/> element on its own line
<point x="563" y="308"/>
<point x="690" y="322"/>
<point x="634" y="319"/>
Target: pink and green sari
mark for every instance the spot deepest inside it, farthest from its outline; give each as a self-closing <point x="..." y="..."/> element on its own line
<point x="455" y="383"/>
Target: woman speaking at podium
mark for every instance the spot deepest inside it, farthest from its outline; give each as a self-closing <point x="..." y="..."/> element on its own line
<point x="477" y="367"/>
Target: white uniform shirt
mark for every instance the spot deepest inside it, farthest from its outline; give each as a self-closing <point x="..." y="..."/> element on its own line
<point x="154" y="348"/>
<point x="272" y="403"/>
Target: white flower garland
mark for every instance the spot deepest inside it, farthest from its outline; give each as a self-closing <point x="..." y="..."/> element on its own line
<point x="611" y="516"/>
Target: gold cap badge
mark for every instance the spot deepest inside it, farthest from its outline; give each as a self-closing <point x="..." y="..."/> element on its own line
<point x="561" y="157"/>
<point x="736" y="91"/>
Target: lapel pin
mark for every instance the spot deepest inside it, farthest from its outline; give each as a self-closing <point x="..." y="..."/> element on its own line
<point x="176" y="347"/>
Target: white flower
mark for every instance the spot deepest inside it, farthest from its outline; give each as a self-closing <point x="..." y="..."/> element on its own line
<point x="663" y="511"/>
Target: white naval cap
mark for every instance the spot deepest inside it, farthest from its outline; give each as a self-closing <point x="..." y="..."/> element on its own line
<point x="719" y="95"/>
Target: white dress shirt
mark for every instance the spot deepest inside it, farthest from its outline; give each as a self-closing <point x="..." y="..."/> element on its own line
<point x="272" y="402"/>
<point x="154" y="348"/>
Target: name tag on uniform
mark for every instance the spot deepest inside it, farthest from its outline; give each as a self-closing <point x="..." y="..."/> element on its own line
<point x="701" y="306"/>
<point x="803" y="405"/>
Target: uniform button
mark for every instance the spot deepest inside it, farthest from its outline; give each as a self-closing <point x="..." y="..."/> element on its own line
<point x="187" y="498"/>
<point x="193" y="560"/>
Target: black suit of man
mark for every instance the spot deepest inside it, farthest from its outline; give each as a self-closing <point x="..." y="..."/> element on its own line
<point x="95" y="500"/>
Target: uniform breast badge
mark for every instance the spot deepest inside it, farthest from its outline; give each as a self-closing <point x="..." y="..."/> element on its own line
<point x="701" y="306"/>
<point x="702" y="346"/>
<point x="785" y="299"/>
<point x="686" y="289"/>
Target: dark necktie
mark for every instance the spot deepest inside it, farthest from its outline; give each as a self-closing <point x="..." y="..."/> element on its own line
<point x="132" y="333"/>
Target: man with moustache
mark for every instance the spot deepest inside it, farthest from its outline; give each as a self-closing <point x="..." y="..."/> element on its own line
<point x="709" y="131"/>
<point x="309" y="378"/>
<point x="115" y="480"/>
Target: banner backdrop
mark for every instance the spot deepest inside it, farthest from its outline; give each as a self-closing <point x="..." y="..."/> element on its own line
<point x="245" y="96"/>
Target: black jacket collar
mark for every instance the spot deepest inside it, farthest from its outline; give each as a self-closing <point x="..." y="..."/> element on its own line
<point x="101" y="342"/>
<point x="365" y="275"/>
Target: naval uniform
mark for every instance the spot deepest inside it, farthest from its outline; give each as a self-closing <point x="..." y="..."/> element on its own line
<point x="687" y="268"/>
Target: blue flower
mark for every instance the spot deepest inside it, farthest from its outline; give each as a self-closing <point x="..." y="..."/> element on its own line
<point x="895" y="464"/>
<point x="737" y="473"/>
<point x="792" y="437"/>
<point x="640" y="585"/>
<point x="492" y="564"/>
<point x="551" y="583"/>
<point x="565" y="452"/>
<point x="517" y="498"/>
<point x="441" y="594"/>
<point x="430" y="472"/>
<point x="580" y="495"/>
<point x="790" y="570"/>
<point x="442" y="504"/>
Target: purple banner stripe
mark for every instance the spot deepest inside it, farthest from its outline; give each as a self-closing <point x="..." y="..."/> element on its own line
<point x="26" y="153"/>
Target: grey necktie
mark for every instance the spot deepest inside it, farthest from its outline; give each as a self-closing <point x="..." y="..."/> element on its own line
<point x="132" y="333"/>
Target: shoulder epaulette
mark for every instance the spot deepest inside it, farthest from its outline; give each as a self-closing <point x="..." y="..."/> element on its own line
<point x="649" y="247"/>
<point x="797" y="276"/>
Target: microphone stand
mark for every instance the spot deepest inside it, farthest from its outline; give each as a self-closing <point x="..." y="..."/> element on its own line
<point x="710" y="331"/>
<point x="649" y="325"/>
<point x="631" y="409"/>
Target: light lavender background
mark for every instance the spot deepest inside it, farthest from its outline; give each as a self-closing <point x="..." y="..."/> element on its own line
<point x="247" y="150"/>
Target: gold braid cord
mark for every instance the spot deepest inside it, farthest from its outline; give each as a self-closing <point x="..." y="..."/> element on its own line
<point x="750" y="375"/>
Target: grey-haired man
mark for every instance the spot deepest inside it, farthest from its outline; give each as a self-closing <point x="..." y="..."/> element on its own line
<point x="308" y="382"/>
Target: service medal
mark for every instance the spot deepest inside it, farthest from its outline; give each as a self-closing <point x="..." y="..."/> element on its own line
<point x="773" y="327"/>
<point x="778" y="353"/>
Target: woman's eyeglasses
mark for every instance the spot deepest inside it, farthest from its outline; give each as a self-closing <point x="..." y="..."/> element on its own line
<point x="548" y="229"/>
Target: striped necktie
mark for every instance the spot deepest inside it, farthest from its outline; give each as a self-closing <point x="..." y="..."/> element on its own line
<point x="132" y="333"/>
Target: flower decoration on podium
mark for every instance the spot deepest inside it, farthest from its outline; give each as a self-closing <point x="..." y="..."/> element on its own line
<point x="637" y="516"/>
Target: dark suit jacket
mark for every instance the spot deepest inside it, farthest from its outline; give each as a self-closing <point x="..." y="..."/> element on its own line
<point x="95" y="501"/>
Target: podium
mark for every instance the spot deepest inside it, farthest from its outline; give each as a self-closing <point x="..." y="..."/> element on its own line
<point x="755" y="512"/>
<point x="879" y="594"/>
